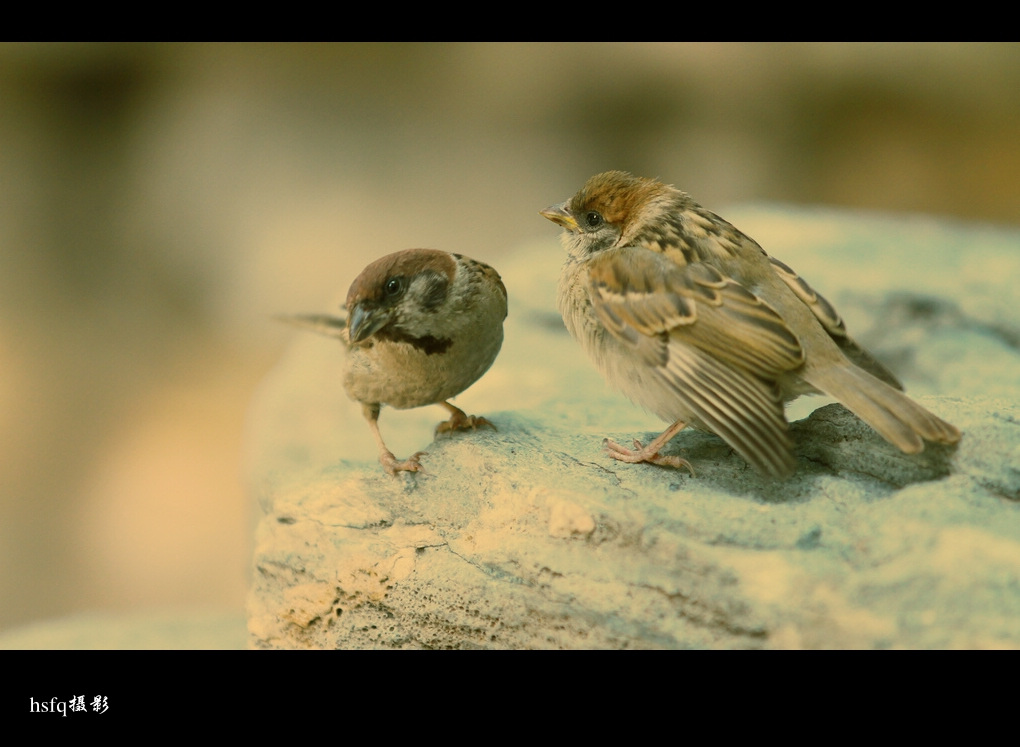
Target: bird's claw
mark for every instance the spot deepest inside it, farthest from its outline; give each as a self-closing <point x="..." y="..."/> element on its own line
<point x="392" y="465"/>
<point x="462" y="422"/>
<point x="645" y="454"/>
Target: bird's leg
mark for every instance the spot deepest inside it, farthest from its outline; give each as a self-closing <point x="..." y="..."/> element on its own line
<point x="459" y="421"/>
<point x="386" y="458"/>
<point x="651" y="453"/>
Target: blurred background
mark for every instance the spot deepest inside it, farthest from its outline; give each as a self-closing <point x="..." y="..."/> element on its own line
<point x="160" y="202"/>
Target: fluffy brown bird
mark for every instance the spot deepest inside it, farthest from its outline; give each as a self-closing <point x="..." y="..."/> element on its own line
<point x="692" y="320"/>
<point x="422" y="326"/>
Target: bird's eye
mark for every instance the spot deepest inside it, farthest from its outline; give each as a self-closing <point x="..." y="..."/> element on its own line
<point x="593" y="219"/>
<point x="394" y="287"/>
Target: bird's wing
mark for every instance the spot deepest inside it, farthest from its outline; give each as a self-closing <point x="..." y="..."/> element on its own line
<point x="719" y="347"/>
<point x="640" y="294"/>
<point x="833" y="323"/>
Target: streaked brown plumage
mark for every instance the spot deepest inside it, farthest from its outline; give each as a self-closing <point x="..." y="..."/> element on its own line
<point x="692" y="320"/>
<point x="422" y="326"/>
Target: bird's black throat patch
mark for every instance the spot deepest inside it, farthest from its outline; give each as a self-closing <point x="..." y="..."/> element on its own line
<point x="428" y="344"/>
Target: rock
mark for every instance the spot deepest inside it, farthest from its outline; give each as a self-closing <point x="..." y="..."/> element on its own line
<point x="531" y="537"/>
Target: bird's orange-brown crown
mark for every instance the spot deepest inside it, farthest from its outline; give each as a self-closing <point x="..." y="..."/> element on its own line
<point x="618" y="195"/>
<point x="370" y="284"/>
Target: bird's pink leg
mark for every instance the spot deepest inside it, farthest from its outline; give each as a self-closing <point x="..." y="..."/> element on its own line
<point x="459" y="421"/>
<point x="650" y="453"/>
<point x="389" y="462"/>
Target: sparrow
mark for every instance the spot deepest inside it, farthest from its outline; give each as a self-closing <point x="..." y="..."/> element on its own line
<point x="422" y="325"/>
<point x="691" y="319"/>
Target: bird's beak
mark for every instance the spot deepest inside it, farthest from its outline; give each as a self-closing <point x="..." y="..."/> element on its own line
<point x="364" y="320"/>
<point x="560" y="215"/>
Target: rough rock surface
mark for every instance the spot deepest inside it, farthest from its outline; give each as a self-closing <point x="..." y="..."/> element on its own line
<point x="531" y="537"/>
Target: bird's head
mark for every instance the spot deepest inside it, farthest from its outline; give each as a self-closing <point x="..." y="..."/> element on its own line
<point x="611" y="209"/>
<point x="397" y="295"/>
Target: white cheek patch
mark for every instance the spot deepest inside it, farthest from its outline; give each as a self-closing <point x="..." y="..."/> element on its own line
<point x="431" y="288"/>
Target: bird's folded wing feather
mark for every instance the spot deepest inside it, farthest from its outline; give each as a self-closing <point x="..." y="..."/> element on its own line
<point x="639" y="294"/>
<point x="833" y="324"/>
<point x="718" y="346"/>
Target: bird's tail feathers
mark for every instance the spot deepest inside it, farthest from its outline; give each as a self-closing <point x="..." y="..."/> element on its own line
<point x="899" y="419"/>
<point x="323" y="324"/>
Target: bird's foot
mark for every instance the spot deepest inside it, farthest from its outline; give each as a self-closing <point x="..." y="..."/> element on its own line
<point x="460" y="422"/>
<point x="649" y="454"/>
<point x="392" y="465"/>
